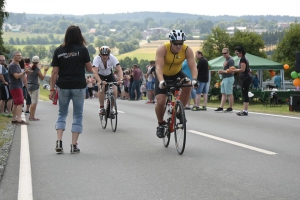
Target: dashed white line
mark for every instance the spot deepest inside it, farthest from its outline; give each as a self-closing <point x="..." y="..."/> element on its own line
<point x="234" y="143"/>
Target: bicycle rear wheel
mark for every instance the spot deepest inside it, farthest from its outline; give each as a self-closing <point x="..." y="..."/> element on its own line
<point x="180" y="128"/>
<point x="103" y="118"/>
<point x="167" y="119"/>
<point x="113" y="114"/>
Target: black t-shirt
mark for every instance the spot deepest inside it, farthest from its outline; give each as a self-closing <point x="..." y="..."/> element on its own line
<point x="71" y="66"/>
<point x="202" y="67"/>
<point x="247" y="69"/>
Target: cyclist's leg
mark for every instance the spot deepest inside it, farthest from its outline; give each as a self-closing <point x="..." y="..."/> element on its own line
<point x="161" y="97"/>
<point x="115" y="89"/>
<point x="101" y="94"/>
<point x="159" y="107"/>
<point x="186" y="91"/>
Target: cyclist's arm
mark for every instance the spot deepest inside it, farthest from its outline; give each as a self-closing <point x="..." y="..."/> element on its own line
<point x="191" y="63"/>
<point x="96" y="75"/>
<point x="160" y="62"/>
<point x="120" y="72"/>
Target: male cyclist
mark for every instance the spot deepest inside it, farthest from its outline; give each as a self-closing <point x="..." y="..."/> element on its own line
<point x="103" y="66"/>
<point x="169" y="58"/>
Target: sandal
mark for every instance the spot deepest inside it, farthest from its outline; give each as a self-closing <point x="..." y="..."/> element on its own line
<point x="22" y="122"/>
<point x="33" y="119"/>
<point x="195" y="108"/>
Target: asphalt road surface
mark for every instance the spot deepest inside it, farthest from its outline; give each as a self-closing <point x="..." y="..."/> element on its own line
<point x="226" y="157"/>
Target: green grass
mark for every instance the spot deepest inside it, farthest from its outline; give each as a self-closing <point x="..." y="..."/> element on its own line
<point x="3" y="123"/>
<point x="23" y="35"/>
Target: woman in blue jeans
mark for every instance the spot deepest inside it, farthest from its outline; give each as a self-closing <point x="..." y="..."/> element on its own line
<point x="70" y="60"/>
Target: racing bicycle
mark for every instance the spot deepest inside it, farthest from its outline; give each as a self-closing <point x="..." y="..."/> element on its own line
<point x="174" y="115"/>
<point x="110" y="106"/>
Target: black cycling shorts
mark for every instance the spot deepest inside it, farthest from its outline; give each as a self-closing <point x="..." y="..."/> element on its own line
<point x="157" y="90"/>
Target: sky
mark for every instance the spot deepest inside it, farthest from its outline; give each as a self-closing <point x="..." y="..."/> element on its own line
<point x="199" y="7"/>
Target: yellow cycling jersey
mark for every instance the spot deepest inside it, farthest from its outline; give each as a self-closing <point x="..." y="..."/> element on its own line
<point x="173" y="62"/>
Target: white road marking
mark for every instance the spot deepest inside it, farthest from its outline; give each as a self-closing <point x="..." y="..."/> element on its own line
<point x="25" y="181"/>
<point x="119" y="111"/>
<point x="233" y="143"/>
<point x="257" y="113"/>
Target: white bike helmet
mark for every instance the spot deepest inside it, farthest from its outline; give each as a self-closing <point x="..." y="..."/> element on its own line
<point x="177" y="35"/>
<point x="105" y="50"/>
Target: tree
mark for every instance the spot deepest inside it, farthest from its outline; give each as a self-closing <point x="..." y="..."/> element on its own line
<point x="285" y="52"/>
<point x="252" y="43"/>
<point x="3" y="15"/>
<point x="99" y="43"/>
<point x="10" y="50"/>
<point x="18" y="41"/>
<point x="11" y="41"/>
<point x="29" y="51"/>
<point x="41" y="51"/>
<point x="215" y="42"/>
<point x="51" y="51"/>
<point x="91" y="49"/>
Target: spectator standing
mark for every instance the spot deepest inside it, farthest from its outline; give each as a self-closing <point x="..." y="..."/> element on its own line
<point x="33" y="86"/>
<point x="277" y="80"/>
<point x="202" y="67"/>
<point x="15" y="74"/>
<point x="89" y="82"/>
<point x="28" y="97"/>
<point x="150" y="82"/>
<point x="135" y="88"/>
<point x="4" y="89"/>
<point x="227" y="82"/>
<point x="245" y="78"/>
<point x="126" y="82"/>
<point x="255" y="82"/>
<point x="185" y="68"/>
<point x="70" y="60"/>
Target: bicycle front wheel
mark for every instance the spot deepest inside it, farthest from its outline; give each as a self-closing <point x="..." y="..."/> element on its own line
<point x="103" y="118"/>
<point x="180" y="128"/>
<point x="113" y="114"/>
<point x="167" y="119"/>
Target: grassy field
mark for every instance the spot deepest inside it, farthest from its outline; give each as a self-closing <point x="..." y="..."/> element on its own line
<point x="147" y="50"/>
<point x="23" y="35"/>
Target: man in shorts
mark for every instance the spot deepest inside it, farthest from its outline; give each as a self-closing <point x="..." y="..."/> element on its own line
<point x="150" y="83"/>
<point x="203" y="77"/>
<point x="227" y="82"/>
<point x="169" y="58"/>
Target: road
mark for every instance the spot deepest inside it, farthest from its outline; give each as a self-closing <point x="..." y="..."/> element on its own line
<point x="226" y="157"/>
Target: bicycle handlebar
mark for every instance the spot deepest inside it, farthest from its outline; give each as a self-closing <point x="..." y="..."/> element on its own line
<point x="178" y="83"/>
<point x="108" y="84"/>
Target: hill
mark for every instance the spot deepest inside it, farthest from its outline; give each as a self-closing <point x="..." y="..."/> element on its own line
<point x="157" y="16"/>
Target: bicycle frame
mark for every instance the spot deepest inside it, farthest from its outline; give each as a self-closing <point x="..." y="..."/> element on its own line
<point x="176" y="95"/>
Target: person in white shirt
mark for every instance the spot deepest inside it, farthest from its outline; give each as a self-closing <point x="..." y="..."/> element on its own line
<point x="103" y="66"/>
<point x="150" y="82"/>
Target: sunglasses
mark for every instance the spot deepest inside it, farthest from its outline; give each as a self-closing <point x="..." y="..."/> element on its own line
<point x="225" y="53"/>
<point x="104" y="54"/>
<point x="237" y="53"/>
<point x="176" y="44"/>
